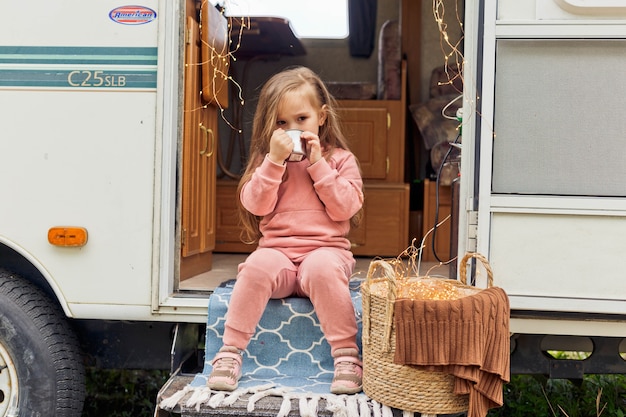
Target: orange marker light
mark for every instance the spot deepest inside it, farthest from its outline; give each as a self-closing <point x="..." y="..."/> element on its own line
<point x="67" y="236"/>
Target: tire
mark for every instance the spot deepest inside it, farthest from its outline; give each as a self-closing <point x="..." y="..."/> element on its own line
<point x="41" y="370"/>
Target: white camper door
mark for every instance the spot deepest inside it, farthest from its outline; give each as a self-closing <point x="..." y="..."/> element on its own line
<point x="544" y="160"/>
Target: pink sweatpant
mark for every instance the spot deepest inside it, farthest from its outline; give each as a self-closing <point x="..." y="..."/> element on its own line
<point x="322" y="276"/>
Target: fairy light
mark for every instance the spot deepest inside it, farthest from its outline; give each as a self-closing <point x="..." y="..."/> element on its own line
<point x="451" y="50"/>
<point x="398" y="277"/>
<point x="408" y="284"/>
<point x="219" y="58"/>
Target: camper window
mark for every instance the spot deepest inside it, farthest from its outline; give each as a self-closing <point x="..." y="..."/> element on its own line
<point x="305" y="16"/>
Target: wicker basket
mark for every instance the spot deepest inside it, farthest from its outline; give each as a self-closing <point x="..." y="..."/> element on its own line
<point x="403" y="387"/>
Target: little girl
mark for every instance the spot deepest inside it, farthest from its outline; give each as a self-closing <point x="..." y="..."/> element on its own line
<point x="300" y="213"/>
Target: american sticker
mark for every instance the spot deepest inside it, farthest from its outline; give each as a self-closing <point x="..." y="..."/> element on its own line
<point x="132" y="15"/>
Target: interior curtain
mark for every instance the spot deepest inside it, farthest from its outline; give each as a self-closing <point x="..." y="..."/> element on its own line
<point x="362" y="23"/>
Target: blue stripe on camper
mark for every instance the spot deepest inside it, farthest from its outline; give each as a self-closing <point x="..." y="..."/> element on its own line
<point x="68" y="55"/>
<point x="78" y="67"/>
<point x="74" y="79"/>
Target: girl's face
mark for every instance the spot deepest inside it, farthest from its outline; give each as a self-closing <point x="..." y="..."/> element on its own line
<point x="297" y="110"/>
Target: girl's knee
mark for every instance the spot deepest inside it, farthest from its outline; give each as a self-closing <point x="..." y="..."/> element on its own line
<point x="268" y="270"/>
<point x="268" y="260"/>
<point x="329" y="262"/>
<point x="325" y="272"/>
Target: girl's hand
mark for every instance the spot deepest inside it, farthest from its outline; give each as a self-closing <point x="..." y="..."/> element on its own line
<point x="313" y="147"/>
<point x="281" y="146"/>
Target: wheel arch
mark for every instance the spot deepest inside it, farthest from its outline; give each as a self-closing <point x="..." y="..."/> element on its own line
<point x="16" y="259"/>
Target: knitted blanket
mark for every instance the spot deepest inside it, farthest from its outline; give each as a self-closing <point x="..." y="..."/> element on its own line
<point x="468" y="338"/>
<point x="287" y="357"/>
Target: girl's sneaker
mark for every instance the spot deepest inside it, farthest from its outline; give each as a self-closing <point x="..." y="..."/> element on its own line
<point x="226" y="369"/>
<point x="348" y="372"/>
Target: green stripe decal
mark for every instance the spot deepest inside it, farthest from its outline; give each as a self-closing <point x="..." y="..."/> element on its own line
<point x="78" y="67"/>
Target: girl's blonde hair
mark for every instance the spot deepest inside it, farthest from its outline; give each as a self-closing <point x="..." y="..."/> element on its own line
<point x="264" y="124"/>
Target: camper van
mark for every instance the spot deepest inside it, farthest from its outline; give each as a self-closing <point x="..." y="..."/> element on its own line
<point x="488" y="127"/>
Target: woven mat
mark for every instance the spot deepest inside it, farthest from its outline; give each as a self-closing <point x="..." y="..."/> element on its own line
<point x="287" y="357"/>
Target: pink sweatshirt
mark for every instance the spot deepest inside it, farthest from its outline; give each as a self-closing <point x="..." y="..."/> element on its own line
<point x="311" y="208"/>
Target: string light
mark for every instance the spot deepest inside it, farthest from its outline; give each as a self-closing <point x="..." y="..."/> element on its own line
<point x="452" y="52"/>
<point x="399" y="278"/>
<point x="223" y="56"/>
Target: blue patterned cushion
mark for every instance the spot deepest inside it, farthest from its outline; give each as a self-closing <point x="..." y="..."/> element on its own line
<point x="288" y="348"/>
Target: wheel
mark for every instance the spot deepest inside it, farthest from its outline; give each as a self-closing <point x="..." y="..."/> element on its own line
<point x="41" y="370"/>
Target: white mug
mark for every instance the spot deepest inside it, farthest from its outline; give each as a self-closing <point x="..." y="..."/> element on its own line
<point x="299" y="147"/>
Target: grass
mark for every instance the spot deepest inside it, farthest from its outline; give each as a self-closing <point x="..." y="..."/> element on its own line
<point x="594" y="396"/>
<point x="132" y="393"/>
<point x="122" y="393"/>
